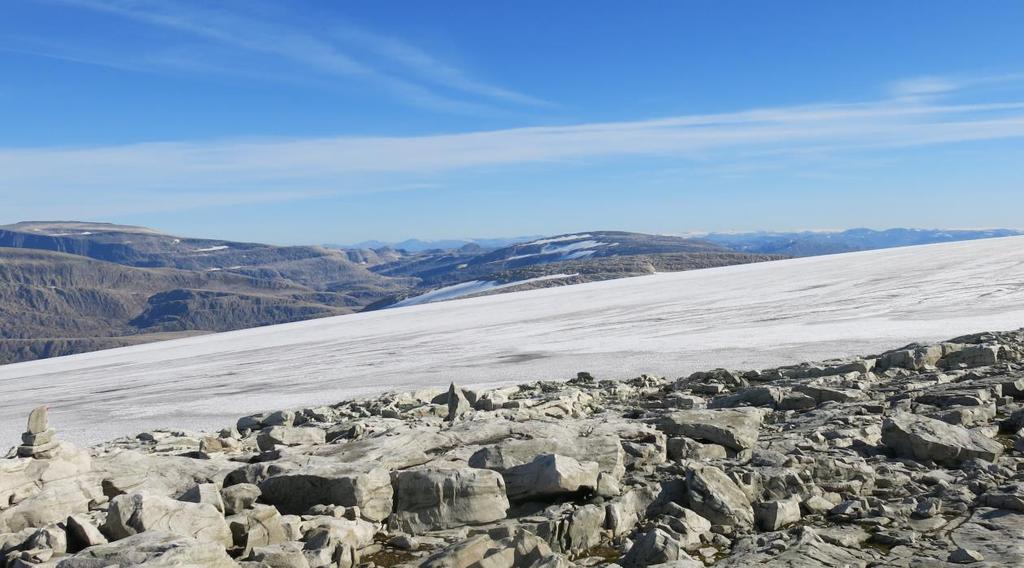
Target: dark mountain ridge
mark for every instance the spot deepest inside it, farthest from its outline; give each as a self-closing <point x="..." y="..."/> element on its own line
<point x="67" y="287"/>
<point x="55" y="303"/>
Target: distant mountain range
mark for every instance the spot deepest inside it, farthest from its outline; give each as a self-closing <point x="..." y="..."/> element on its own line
<point x="794" y="243"/>
<point x="418" y="245"/>
<point x="813" y="243"/>
<point x="69" y="287"/>
<point x="553" y="261"/>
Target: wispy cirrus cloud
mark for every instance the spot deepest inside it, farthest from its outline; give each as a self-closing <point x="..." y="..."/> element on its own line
<point x="296" y="166"/>
<point x="429" y="67"/>
<point x="929" y="85"/>
<point x="916" y="86"/>
<point x="127" y="202"/>
<point x="352" y="55"/>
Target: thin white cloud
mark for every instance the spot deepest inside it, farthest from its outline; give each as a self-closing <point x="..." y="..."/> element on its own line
<point x="80" y="205"/>
<point x="299" y="164"/>
<point x="928" y="85"/>
<point x="429" y="67"/>
<point x="916" y="86"/>
<point x="315" y="53"/>
<point x="31" y="46"/>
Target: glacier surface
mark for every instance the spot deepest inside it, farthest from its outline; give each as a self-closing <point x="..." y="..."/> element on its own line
<point x="748" y="316"/>
<point x="472" y="287"/>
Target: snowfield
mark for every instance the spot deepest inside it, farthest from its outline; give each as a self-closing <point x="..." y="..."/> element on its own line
<point x="748" y="316"/>
<point x="472" y="287"/>
<point x="569" y="251"/>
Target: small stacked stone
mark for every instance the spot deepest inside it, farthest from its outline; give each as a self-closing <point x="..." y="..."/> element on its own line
<point x="39" y="440"/>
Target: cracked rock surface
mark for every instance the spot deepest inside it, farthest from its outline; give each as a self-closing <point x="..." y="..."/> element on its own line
<point x="908" y="458"/>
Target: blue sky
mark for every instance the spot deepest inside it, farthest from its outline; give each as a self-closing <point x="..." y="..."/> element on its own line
<point x="305" y="122"/>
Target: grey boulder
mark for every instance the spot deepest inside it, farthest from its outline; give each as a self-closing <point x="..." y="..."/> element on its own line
<point x="256" y="527"/>
<point x="921" y="438"/>
<point x="295" y="491"/>
<point x="605" y="449"/>
<point x="239" y="497"/>
<point x="657" y="546"/>
<point x="270" y="438"/>
<point x="548" y="475"/>
<point x="437" y="498"/>
<point x="207" y="493"/>
<point x="735" y="428"/>
<point x="714" y="496"/>
<point x="773" y="515"/>
<point x="159" y="549"/>
<point x="141" y="512"/>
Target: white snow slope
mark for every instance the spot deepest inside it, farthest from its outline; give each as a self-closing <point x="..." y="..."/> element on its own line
<point x="748" y="316"/>
<point x="472" y="287"/>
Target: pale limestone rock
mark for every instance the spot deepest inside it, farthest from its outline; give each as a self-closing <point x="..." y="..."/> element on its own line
<point x="714" y="496"/>
<point x="548" y="475"/>
<point x="140" y="512"/>
<point x="295" y="491"/>
<point x="923" y="438"/>
<point x="773" y="515"/>
<point x="82" y="533"/>
<point x="153" y="548"/>
<point x="207" y="493"/>
<point x="239" y="497"/>
<point x="38" y="420"/>
<point x="259" y="526"/>
<point x="735" y="428"/>
<point x="274" y="436"/>
<point x="440" y="498"/>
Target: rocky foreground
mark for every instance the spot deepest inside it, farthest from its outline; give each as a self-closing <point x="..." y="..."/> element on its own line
<point x="914" y="457"/>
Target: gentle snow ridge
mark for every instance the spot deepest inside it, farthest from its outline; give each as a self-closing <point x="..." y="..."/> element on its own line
<point x="469" y="288"/>
<point x="745" y="316"/>
<point x="567" y="251"/>
<point x="558" y="239"/>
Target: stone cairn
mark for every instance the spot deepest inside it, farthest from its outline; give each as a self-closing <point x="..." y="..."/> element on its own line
<point x="39" y="440"/>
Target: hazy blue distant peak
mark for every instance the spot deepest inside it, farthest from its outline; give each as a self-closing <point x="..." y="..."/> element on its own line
<point x="420" y="245"/>
<point x="811" y="243"/>
<point x="797" y="243"/>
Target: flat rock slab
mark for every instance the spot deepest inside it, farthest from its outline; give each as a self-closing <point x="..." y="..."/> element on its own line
<point x="809" y="551"/>
<point x="156" y="548"/>
<point x="140" y="512"/>
<point x="606" y="450"/>
<point x="433" y="498"/>
<point x="996" y="533"/>
<point x="735" y="428"/>
<point x="295" y="491"/>
<point x="923" y="438"/>
<point x="548" y="475"/>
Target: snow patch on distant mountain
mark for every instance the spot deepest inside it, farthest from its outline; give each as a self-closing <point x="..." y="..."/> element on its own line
<point x="419" y="245"/>
<point x="472" y="287"/>
<point x="83" y="234"/>
<point x="559" y="239"/>
<point x="568" y="251"/>
<point x="578" y="255"/>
